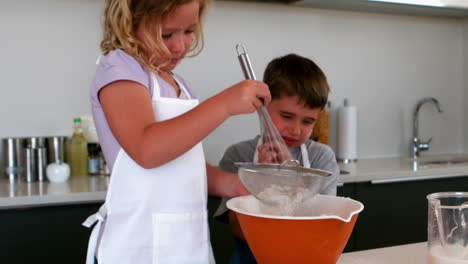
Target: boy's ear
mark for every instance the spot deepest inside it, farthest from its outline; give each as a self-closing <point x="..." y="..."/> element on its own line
<point x="321" y="129"/>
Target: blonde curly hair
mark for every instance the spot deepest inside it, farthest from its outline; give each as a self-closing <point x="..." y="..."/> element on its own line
<point x="122" y="17"/>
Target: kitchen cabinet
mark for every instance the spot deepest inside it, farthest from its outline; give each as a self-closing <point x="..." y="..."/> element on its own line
<point x="222" y="240"/>
<point x="52" y="234"/>
<point x="395" y="212"/>
<point x="348" y="190"/>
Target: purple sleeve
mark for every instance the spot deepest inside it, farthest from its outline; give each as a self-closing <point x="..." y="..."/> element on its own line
<point x="116" y="66"/>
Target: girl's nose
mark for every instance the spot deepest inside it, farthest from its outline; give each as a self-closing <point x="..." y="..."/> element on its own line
<point x="177" y="44"/>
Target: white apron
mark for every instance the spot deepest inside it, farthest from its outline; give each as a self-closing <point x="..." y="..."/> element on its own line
<point x="158" y="215"/>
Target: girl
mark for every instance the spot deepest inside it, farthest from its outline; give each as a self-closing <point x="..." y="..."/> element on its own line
<point x="150" y="126"/>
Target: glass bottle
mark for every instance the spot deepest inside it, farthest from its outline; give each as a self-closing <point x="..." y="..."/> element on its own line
<point x="78" y="154"/>
<point x="93" y="159"/>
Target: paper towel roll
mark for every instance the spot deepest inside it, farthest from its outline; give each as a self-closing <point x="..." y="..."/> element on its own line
<point x="347" y="133"/>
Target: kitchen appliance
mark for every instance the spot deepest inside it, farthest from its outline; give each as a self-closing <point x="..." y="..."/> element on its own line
<point x="41" y="163"/>
<point x="57" y="149"/>
<point x="13" y="157"/>
<point x="318" y="234"/>
<point x="35" y="150"/>
<point x="286" y="185"/>
<point x="31" y="164"/>
<point x="35" y="142"/>
<point x="447" y="227"/>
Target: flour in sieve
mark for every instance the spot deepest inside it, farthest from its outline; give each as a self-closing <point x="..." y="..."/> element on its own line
<point x="285" y="198"/>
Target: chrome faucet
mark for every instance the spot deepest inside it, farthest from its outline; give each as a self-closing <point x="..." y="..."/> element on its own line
<point x="417" y="144"/>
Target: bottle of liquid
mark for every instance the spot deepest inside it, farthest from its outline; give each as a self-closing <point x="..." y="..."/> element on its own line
<point x="93" y="159"/>
<point x="78" y="154"/>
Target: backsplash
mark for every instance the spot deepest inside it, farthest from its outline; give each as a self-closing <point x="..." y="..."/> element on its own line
<point x="383" y="63"/>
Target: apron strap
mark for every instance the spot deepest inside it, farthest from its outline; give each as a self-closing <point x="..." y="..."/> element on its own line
<point x="98" y="219"/>
<point x="98" y="60"/>
<point x="181" y="86"/>
<point x="305" y="156"/>
<point x="157" y="89"/>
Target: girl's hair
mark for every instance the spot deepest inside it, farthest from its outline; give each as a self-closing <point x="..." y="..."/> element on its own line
<point x="122" y="17"/>
<point x="293" y="75"/>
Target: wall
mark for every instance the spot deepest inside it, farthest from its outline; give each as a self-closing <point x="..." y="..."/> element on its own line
<point x="383" y="63"/>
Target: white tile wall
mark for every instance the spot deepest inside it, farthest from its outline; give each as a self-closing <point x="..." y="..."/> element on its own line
<point x="382" y="63"/>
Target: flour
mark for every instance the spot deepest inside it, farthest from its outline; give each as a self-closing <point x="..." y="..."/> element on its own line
<point x="285" y="199"/>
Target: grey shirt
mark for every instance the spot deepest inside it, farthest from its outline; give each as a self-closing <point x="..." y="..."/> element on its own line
<point x="321" y="157"/>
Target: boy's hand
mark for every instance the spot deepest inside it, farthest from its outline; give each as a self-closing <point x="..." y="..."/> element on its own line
<point x="273" y="152"/>
<point x="245" y="97"/>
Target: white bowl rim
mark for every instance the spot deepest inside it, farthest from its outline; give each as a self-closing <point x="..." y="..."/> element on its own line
<point x="230" y="205"/>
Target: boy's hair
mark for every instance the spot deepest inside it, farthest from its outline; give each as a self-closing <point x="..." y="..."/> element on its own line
<point x="294" y="75"/>
<point x="122" y="17"/>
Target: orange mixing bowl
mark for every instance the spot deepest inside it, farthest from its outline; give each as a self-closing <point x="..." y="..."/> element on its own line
<point x="317" y="233"/>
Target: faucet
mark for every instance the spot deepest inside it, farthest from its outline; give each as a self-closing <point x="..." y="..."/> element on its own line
<point x="417" y="144"/>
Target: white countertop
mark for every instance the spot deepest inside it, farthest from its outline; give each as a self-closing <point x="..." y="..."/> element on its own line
<point x="403" y="254"/>
<point x="93" y="188"/>
<point x="403" y="169"/>
<point x="76" y="190"/>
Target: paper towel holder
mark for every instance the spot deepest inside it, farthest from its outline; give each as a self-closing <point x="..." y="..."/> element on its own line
<point x="347" y="114"/>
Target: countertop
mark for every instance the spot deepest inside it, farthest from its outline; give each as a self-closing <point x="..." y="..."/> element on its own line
<point x="93" y="188"/>
<point x="77" y="190"/>
<point x="404" y="254"/>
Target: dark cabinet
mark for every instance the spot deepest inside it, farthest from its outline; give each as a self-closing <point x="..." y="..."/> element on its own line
<point x="222" y="240"/>
<point x="395" y="213"/>
<point x="52" y="234"/>
<point x="348" y="190"/>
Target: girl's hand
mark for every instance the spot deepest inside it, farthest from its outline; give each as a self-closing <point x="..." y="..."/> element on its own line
<point x="273" y="152"/>
<point x="245" y="97"/>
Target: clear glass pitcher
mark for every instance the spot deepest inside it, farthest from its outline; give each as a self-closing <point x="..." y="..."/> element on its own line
<point x="447" y="235"/>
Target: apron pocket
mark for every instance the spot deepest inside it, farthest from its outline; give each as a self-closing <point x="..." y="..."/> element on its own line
<point x="181" y="238"/>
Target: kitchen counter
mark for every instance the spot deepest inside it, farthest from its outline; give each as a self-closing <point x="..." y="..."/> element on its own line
<point x="77" y="190"/>
<point x="405" y="254"/>
<point x="383" y="170"/>
<point x="93" y="188"/>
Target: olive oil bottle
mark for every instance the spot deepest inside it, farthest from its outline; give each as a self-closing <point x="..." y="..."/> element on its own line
<point x="78" y="151"/>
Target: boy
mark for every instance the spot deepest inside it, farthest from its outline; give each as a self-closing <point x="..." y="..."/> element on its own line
<point x="299" y="91"/>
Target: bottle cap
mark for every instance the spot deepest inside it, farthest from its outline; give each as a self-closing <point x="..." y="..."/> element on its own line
<point x="77" y="120"/>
